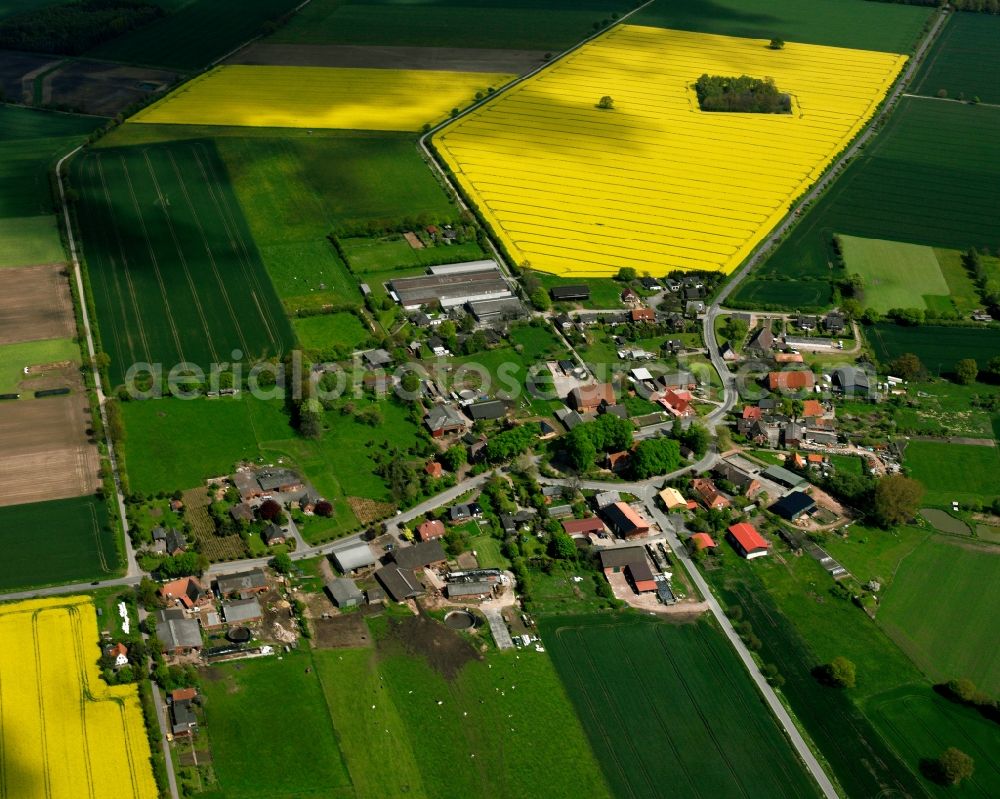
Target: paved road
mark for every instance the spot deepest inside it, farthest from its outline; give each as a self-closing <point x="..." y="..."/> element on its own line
<point x="161" y="717"/>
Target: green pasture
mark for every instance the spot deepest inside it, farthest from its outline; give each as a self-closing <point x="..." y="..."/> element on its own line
<point x="274" y="705"/>
<point x="30" y="240"/>
<point x="941" y="408"/>
<point x="501" y="726"/>
<point x="928" y="612"/>
<point x="60" y="541"/>
<point x="964" y="60"/>
<point x="365" y="256"/>
<point x="14" y="357"/>
<point x="954" y="472"/>
<point x="195" y="34"/>
<point x="322" y="332"/>
<point x="667" y="704"/>
<point x="174" y="270"/>
<point x="896" y="275"/>
<point x="604" y="292"/>
<point x="507" y="24"/>
<point x="488" y="554"/>
<point x="792" y="608"/>
<point x="921" y="725"/>
<point x="939" y="348"/>
<point x="909" y="185"/>
<point x="839" y="23"/>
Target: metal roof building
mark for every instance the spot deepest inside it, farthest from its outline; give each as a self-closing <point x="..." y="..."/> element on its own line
<point x="240" y="611"/>
<point x="352" y="555"/>
<point x="344" y="593"/>
<point x="451" y="289"/>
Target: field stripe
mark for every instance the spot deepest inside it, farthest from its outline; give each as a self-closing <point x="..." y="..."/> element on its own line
<point x="164" y="204"/>
<point x="85" y="695"/>
<point x="155" y="262"/>
<point x="44" y="748"/>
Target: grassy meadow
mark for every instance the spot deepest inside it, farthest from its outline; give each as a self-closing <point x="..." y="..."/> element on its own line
<point x="174" y="269"/>
<point x="60" y="541"/>
<point x="954" y="472"/>
<point x="14" y="357"/>
<point x="896" y="275"/>
<point x="667" y="704"/>
<point x="319" y="333"/>
<point x="909" y="185"/>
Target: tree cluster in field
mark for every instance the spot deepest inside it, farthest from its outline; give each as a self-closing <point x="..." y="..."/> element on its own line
<point x="889" y="501"/>
<point x="964" y="692"/>
<point x="988" y="285"/>
<point x="74" y="28"/>
<point x="744" y="95"/>
<point x="508" y="444"/>
<point x="607" y="433"/>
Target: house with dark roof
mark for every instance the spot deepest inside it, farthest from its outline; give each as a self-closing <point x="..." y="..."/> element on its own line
<point x="183" y="722"/>
<point x="625" y="521"/>
<point x="834" y="323"/>
<point x="400" y="584"/>
<point x="747" y="541"/>
<point x="426" y="553"/>
<point x="640" y="576"/>
<point x="444" y="419"/>
<point x="282" y="481"/>
<point x="748" y="485"/>
<point x="761" y="342"/>
<point x="241" y="512"/>
<point x="241" y="584"/>
<point x="272" y="535"/>
<point x="174" y="542"/>
<point x="463" y="512"/>
<point x="794" y="506"/>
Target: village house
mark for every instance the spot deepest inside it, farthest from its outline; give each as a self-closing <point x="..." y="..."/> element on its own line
<point x="119" y="653"/>
<point x="748" y="485"/>
<point x="710" y="496"/>
<point x="272" y="535"/>
<point x="434" y="469"/>
<point x="241" y="584"/>
<point x="678" y="403"/>
<point x="625" y="521"/>
<point x="702" y="541"/>
<point x="761" y="342"/>
<point x="445" y="419"/>
<point x="587" y="399"/>
<point x="791" y="381"/>
<point x="672" y="498"/>
<point x="188" y="592"/>
<point x="583" y="528"/>
<point x="430" y="530"/>
<point x="747" y="541"/>
<point x="183" y="723"/>
<point x="646" y="315"/>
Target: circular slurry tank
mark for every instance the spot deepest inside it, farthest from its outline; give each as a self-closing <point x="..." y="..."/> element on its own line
<point x="460" y="620"/>
<point x="238" y="635"/>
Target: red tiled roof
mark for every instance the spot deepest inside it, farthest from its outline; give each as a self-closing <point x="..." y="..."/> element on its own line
<point x="434" y="469"/>
<point x="180" y="694"/>
<point x="703" y="540"/>
<point x="791" y="380"/>
<point x="643" y="315"/>
<point x="430" y="530"/>
<point x="816" y="459"/>
<point x="118" y="649"/>
<point x="811" y="408"/>
<point x="748" y="537"/>
<point x="752" y="412"/>
<point x="577" y="526"/>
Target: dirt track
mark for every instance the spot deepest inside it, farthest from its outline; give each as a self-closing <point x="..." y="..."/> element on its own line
<point x="35" y="304"/>
<point x="452" y="59"/>
<point x="46" y="454"/>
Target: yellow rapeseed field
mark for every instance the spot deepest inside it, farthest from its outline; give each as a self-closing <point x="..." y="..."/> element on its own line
<point x="65" y="733"/>
<point x="656" y="183"/>
<point x="320" y="97"/>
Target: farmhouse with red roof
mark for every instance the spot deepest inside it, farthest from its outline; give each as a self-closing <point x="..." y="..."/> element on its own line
<point x="747" y="541"/>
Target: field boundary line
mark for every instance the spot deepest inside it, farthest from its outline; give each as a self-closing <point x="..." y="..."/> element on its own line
<point x="154" y="260"/>
<point x="164" y="204"/>
<point x="44" y="749"/>
<point x="76" y="629"/>
<point x="95" y="529"/>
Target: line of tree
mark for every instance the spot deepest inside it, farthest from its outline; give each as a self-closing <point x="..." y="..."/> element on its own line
<point x="74" y="28"/>
<point x="978" y="6"/>
<point x="743" y="95"/>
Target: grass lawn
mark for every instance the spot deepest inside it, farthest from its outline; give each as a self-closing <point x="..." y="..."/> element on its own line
<point x="29" y="240"/>
<point x="938" y="347"/>
<point x="310" y="275"/>
<point x="195" y="34"/>
<point x="943" y="408"/>
<point x="663" y="704"/>
<point x="62" y="541"/>
<point x="948" y="636"/>
<point x="954" y="472"/>
<point x="501" y="727"/>
<point x="920" y="724"/>
<point x="896" y="275"/>
<point x="14" y="357"/>
<point x="965" y="59"/>
<point x="909" y="185"/>
<point x="322" y="332"/>
<point x="847" y="464"/>
<point x="840" y="23"/>
<point x="515" y="24"/>
<point x="274" y="705"/>
<point x="487" y="549"/>
<point x="365" y="256"/>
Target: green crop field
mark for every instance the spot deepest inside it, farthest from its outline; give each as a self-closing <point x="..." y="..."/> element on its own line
<point x="514" y="24"/>
<point x="61" y="541"/>
<point x="939" y="348"/>
<point x="791" y="608"/>
<point x="928" y="612"/>
<point x="921" y="725"/>
<point x="670" y="704"/>
<point x="14" y="357"/>
<point x="195" y="34"/>
<point x="31" y="142"/>
<point x="319" y="333"/>
<point x="174" y="270"/>
<point x="909" y="185"/>
<point x="954" y="472"/>
<point x="840" y="23"/>
<point x="273" y="706"/>
<point x="896" y="275"/>
<point x="964" y="60"/>
<point x="502" y="726"/>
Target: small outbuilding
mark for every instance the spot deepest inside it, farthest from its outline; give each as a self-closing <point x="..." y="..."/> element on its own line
<point x="344" y="593"/>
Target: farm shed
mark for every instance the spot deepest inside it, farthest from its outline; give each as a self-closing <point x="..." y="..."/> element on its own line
<point x="177" y="632"/>
<point x="747" y="541"/>
<point x="783" y="477"/>
<point x="451" y="289"/>
<point x="241" y="611"/>
<point x="352" y="555"/>
<point x="443" y="419"/>
<point x="399" y="584"/>
<point x="625" y="521"/>
<point x="488" y="409"/>
<point x="426" y="553"/>
<point x="793" y="506"/>
<point x="575" y="291"/>
<point x="640" y="576"/>
<point x="614" y="560"/>
<point x="242" y="584"/>
<point x="280" y="480"/>
<point x="344" y="593"/>
<point x="581" y="528"/>
<point x="470" y="590"/>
